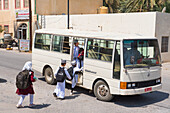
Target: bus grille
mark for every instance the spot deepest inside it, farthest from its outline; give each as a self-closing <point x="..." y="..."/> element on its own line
<point x="146" y="84"/>
<point x="143" y="84"/>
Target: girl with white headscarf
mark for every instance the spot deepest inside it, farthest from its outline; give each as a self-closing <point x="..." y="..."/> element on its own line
<point x="24" y="92"/>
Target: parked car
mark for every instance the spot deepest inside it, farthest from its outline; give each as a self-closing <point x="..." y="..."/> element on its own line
<point x="8" y="40"/>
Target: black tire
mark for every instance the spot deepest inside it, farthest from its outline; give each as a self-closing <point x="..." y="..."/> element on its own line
<point x="49" y="76"/>
<point x="102" y="91"/>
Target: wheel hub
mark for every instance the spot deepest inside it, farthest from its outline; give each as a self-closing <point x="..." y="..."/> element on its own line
<point x="103" y="90"/>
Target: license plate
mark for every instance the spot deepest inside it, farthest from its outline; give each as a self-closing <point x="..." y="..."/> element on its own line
<point x="148" y="89"/>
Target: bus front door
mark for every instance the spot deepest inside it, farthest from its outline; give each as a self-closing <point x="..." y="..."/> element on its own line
<point x="78" y="55"/>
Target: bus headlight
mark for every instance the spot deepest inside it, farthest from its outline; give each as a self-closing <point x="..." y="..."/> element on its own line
<point x="158" y="80"/>
<point x="131" y="85"/>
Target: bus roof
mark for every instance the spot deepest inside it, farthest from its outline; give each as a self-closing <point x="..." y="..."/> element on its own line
<point x="93" y="34"/>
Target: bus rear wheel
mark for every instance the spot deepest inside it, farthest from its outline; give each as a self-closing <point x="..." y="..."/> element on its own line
<point x="49" y="76"/>
<point x="102" y="91"/>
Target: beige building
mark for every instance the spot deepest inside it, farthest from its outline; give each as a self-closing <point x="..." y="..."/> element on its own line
<point x="14" y="18"/>
<point x="59" y="7"/>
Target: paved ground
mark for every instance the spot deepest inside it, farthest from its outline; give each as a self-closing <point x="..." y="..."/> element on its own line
<point x="11" y="62"/>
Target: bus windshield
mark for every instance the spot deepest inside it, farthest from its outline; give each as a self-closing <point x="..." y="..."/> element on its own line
<point x="140" y="53"/>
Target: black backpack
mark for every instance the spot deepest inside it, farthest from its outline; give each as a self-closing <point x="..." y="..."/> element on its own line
<point x="61" y="76"/>
<point x="70" y="71"/>
<point x="23" y="80"/>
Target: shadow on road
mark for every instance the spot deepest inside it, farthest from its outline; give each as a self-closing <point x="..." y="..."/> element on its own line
<point x="71" y="97"/>
<point x="2" y="80"/>
<point x="127" y="101"/>
<point x="38" y="106"/>
<point x="42" y="79"/>
<point x="79" y="90"/>
<point x="141" y="100"/>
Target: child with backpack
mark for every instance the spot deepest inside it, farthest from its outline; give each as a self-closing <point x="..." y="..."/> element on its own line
<point x="75" y="71"/>
<point x="61" y="74"/>
<point x="24" y="84"/>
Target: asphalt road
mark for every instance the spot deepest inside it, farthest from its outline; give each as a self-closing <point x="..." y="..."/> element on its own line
<point x="11" y="62"/>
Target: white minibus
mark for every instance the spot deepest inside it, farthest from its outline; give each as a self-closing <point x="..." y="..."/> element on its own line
<point x="113" y="64"/>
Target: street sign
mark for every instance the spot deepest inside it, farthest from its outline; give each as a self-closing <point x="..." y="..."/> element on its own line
<point x="22" y="14"/>
<point x="24" y="45"/>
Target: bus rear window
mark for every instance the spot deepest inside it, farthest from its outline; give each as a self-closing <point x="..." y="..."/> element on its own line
<point x="42" y="41"/>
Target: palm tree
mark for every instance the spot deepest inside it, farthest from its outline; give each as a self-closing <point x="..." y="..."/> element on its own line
<point x="126" y="6"/>
<point x="167" y="3"/>
<point x="113" y="5"/>
<point x="142" y="5"/>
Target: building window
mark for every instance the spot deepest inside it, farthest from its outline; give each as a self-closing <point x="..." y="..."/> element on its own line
<point x="164" y="45"/>
<point x="0" y="4"/>
<point x="6" y="4"/>
<point x="100" y="49"/>
<point x="17" y="4"/>
<point x="6" y="28"/>
<point x="26" y="3"/>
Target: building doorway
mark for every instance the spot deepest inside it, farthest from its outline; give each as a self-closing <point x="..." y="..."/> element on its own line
<point x="22" y="31"/>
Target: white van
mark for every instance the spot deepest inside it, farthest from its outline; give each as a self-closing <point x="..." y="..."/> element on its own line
<point x="114" y="64"/>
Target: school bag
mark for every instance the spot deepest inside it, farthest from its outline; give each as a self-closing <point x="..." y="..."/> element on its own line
<point x="70" y="71"/>
<point x="23" y="80"/>
<point x="61" y="76"/>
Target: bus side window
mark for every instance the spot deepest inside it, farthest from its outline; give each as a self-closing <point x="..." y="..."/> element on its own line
<point x="66" y="46"/>
<point x="46" y="41"/>
<point x="116" y="65"/>
<point x="61" y="44"/>
<point x="100" y="49"/>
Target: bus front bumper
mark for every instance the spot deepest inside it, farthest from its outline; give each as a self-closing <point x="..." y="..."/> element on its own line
<point x="140" y="90"/>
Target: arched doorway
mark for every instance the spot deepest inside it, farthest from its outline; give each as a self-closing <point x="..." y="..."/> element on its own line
<point x="22" y="31"/>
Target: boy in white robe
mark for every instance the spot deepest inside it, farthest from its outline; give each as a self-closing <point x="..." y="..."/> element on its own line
<point x="59" y="92"/>
<point x="75" y="75"/>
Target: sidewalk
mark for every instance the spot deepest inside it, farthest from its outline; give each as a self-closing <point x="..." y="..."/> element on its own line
<point x="15" y="49"/>
<point x="166" y="66"/>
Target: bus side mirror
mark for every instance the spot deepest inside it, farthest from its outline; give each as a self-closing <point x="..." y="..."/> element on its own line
<point x="132" y="59"/>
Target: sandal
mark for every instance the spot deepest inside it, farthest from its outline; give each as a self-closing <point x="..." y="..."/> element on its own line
<point x="31" y="105"/>
<point x="19" y="106"/>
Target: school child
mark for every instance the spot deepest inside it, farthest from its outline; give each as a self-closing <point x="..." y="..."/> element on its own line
<point x="76" y="70"/>
<point x="59" y="92"/>
<point x="81" y="57"/>
<point x="29" y="90"/>
<point x="76" y="52"/>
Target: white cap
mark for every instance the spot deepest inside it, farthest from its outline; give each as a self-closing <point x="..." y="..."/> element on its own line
<point x="63" y="61"/>
<point x="73" y="63"/>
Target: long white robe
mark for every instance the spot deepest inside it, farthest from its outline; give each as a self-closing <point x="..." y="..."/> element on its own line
<point x="60" y="87"/>
<point x="75" y="76"/>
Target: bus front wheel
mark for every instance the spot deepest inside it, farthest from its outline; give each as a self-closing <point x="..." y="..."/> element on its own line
<point x="102" y="91"/>
<point x="49" y="76"/>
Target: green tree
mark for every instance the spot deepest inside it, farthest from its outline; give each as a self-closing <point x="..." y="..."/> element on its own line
<point x="167" y="4"/>
<point x="126" y="6"/>
<point x="142" y="5"/>
<point x="113" y="5"/>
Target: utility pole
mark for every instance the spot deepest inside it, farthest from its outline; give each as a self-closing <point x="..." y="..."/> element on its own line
<point x="68" y="19"/>
<point x="30" y="24"/>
